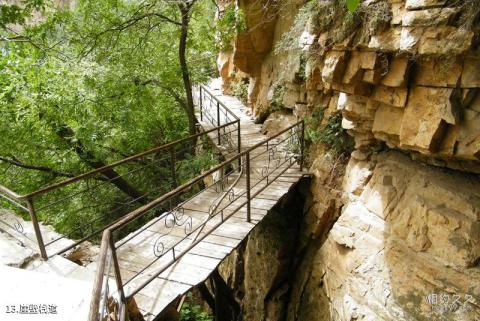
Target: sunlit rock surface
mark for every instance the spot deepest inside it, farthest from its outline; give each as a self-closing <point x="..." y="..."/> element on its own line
<point x="395" y="229"/>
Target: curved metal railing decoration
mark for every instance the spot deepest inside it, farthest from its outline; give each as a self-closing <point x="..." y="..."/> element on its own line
<point x="172" y="219"/>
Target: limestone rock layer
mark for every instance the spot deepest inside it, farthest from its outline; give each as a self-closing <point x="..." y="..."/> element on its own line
<point x="392" y="230"/>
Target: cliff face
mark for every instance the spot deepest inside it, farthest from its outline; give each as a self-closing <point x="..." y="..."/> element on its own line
<point x="390" y="231"/>
<point x="405" y="235"/>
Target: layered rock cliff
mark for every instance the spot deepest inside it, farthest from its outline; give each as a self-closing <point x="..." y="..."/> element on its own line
<point x="391" y="224"/>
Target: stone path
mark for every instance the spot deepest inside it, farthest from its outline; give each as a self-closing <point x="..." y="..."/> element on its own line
<point x="28" y="280"/>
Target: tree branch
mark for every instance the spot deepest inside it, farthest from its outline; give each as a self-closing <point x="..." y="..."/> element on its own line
<point x="16" y="162"/>
<point x="179" y="99"/>
<point x="135" y="18"/>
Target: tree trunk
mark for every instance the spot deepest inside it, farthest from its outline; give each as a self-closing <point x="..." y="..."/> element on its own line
<point x="67" y="134"/>
<point x="185" y="12"/>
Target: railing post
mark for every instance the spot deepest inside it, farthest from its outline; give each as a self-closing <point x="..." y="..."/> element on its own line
<point x="247" y="156"/>
<point x="218" y="121"/>
<point x="99" y="279"/>
<point x="118" y="276"/>
<point x="172" y="166"/>
<point x="36" y="227"/>
<point x="239" y="144"/>
<point x="302" y="145"/>
<point x="201" y="104"/>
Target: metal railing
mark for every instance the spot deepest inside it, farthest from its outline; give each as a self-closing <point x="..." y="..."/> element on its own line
<point x="215" y="112"/>
<point x="255" y="169"/>
<point x="116" y="189"/>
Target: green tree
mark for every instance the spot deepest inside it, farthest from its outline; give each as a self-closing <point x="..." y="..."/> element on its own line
<point x="85" y="87"/>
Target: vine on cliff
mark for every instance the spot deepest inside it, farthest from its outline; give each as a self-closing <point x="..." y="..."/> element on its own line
<point x="470" y="14"/>
<point x="240" y="89"/>
<point x="231" y="22"/>
<point x="332" y="134"/>
<point x="316" y="17"/>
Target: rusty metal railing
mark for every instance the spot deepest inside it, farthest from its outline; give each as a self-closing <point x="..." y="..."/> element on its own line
<point x="215" y="112"/>
<point x="121" y="183"/>
<point x="255" y="168"/>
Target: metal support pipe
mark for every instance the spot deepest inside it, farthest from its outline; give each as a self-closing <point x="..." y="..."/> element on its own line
<point x="239" y="144"/>
<point x="118" y="276"/>
<point x="248" y="186"/>
<point x="99" y="278"/>
<point x="36" y="227"/>
<point x="302" y="145"/>
<point x="172" y="166"/>
<point x="123" y="311"/>
<point x="201" y="104"/>
<point x="218" y="122"/>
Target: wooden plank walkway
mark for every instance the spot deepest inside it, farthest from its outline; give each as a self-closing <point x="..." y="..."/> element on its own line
<point x="135" y="254"/>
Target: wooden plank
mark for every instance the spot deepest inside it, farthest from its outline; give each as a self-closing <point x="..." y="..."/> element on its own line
<point x="222" y="240"/>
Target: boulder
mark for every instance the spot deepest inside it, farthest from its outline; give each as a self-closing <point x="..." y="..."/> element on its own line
<point x="471" y="74"/>
<point x="468" y="136"/>
<point x="277" y="121"/>
<point x="359" y="62"/>
<point x="389" y="95"/>
<point x="372" y="76"/>
<point x="388" y="40"/>
<point x="423" y="4"/>
<point x="426" y="116"/>
<point x="438" y="72"/>
<point x="430" y="17"/>
<point x="403" y="39"/>
<point x="407" y="237"/>
<point x="388" y="120"/>
<point x="334" y="66"/>
<point x="397" y="72"/>
<point x="445" y="40"/>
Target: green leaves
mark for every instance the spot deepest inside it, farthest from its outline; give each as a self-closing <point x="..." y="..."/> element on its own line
<point x="352" y="5"/>
<point x="15" y="14"/>
<point x="332" y="135"/>
<point x="229" y="25"/>
<point x="193" y="312"/>
<point x="112" y="87"/>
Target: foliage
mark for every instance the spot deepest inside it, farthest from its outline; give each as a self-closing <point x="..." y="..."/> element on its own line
<point x="301" y="75"/>
<point x="376" y="15"/>
<point x="316" y="17"/>
<point x="193" y="312"/>
<point x="332" y="134"/>
<point x="231" y="22"/>
<point x="352" y="5"/>
<point x="16" y="13"/>
<point x="276" y="103"/>
<point x="240" y="89"/>
<point x="470" y="15"/>
<point x="290" y="39"/>
<point x="113" y="87"/>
